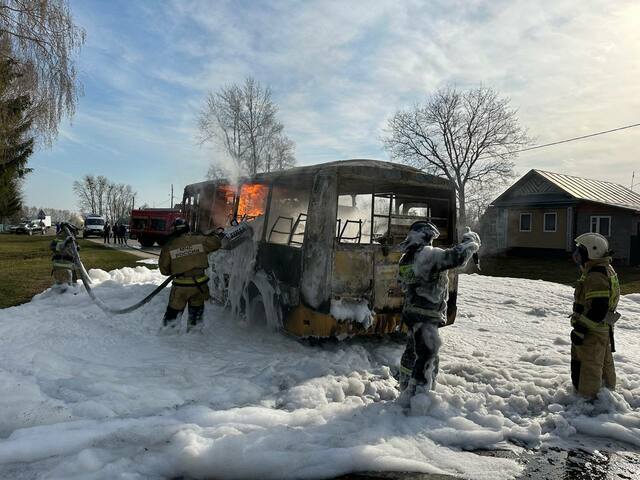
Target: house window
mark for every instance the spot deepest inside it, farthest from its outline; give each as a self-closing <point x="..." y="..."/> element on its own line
<point x="601" y="225"/>
<point x="525" y="222"/>
<point x="550" y="222"/>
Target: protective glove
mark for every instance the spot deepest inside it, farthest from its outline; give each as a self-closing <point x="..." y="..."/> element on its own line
<point x="470" y="236"/>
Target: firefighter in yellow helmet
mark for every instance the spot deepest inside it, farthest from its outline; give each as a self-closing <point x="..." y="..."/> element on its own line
<point x="186" y="257"/>
<point x="62" y="258"/>
<point x="594" y="315"/>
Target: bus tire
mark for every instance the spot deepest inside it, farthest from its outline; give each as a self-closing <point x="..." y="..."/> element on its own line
<point x="146" y="242"/>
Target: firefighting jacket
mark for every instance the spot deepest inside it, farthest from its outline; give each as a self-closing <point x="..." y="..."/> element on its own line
<point x="424" y="278"/>
<point x="186" y="257"/>
<point x="62" y="257"/>
<point x="597" y="293"/>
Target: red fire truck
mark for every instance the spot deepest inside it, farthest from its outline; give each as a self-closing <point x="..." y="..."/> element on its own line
<point x="151" y="225"/>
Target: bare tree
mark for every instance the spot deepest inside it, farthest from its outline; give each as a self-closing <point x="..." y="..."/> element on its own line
<point x="102" y="187"/>
<point x="42" y="36"/>
<point x="258" y="123"/>
<point x="280" y="154"/>
<point x="468" y="137"/>
<point x="243" y="120"/>
<point x="219" y="121"/>
<point x="101" y="196"/>
<point x="216" y="173"/>
<point x="119" y="199"/>
<point x="86" y="192"/>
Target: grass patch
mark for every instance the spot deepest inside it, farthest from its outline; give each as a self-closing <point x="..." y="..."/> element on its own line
<point x="552" y="269"/>
<point x="25" y="265"/>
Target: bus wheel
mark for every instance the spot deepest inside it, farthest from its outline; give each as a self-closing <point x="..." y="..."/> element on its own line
<point x="146" y="242"/>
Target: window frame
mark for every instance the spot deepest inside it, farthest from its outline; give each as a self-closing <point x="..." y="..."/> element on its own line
<point x="555" y="222"/>
<point x="598" y="218"/>
<point x="530" y="222"/>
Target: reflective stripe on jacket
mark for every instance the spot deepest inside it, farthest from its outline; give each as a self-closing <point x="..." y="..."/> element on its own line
<point x="187" y="255"/>
<point x="63" y="264"/>
<point x="190" y="281"/>
<point x="598" y="281"/>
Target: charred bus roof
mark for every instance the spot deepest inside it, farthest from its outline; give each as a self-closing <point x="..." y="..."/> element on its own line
<point x="354" y="174"/>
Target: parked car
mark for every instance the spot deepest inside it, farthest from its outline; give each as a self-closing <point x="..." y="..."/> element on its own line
<point x="93" y="225"/>
<point x="29" y="228"/>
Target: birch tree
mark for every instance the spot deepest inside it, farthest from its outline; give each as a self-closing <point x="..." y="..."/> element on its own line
<point x="42" y="37"/>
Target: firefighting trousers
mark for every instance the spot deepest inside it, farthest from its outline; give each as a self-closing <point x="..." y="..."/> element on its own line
<point x="421" y="353"/>
<point x="62" y="275"/>
<point x="592" y="364"/>
<point x="194" y="296"/>
<point x="180" y="296"/>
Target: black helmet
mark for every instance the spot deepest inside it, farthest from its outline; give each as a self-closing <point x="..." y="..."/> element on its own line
<point x="180" y="226"/>
<point x="420" y="233"/>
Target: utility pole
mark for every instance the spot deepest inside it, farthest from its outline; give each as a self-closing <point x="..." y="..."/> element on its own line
<point x="633" y="177"/>
<point x="172" y="195"/>
<point x="133" y="202"/>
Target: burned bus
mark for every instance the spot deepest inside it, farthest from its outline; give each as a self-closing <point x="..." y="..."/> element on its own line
<point x="326" y="242"/>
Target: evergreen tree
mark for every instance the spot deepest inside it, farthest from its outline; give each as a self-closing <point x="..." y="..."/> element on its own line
<point x="16" y="144"/>
<point x="10" y="196"/>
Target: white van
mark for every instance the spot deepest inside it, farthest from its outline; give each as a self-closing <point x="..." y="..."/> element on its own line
<point x="93" y="225"/>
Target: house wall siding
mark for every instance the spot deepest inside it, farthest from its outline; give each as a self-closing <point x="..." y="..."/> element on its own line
<point x="537" y="237"/>
<point x="622" y="227"/>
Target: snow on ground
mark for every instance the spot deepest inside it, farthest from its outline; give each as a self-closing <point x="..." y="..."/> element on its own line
<point x="89" y="396"/>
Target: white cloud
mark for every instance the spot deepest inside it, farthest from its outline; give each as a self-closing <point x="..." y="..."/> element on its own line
<point x="339" y="69"/>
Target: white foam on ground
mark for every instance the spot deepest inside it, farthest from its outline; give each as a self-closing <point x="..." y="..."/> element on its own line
<point x="85" y="395"/>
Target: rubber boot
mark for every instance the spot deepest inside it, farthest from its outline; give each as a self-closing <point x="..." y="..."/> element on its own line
<point x="170" y="318"/>
<point x="404" y="399"/>
<point x="195" y="317"/>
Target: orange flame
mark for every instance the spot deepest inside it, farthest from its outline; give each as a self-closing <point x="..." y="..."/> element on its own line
<point x="253" y="200"/>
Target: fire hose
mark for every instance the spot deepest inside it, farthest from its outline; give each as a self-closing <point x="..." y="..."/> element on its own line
<point x="86" y="281"/>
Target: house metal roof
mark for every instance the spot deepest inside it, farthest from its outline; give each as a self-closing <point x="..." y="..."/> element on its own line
<point x="598" y="191"/>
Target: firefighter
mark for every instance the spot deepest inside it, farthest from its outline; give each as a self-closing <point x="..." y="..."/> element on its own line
<point x="186" y="257"/>
<point x="594" y="315"/>
<point x="425" y="281"/>
<point x="62" y="258"/>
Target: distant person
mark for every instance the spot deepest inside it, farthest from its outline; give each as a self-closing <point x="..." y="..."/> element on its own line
<point x="62" y="258"/>
<point x="107" y="232"/>
<point x="186" y="257"/>
<point x="115" y="231"/>
<point x="123" y="234"/>
<point x="425" y="281"/>
<point x="42" y="227"/>
<point x="594" y="314"/>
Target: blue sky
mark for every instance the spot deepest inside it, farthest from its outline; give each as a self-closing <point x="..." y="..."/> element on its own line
<point x="338" y="70"/>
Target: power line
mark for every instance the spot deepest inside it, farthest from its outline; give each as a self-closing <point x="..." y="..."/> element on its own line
<point x="535" y="147"/>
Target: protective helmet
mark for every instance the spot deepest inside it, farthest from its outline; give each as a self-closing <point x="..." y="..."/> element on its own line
<point x="180" y="225"/>
<point x="595" y="245"/>
<point x="64" y="227"/>
<point x="420" y="233"/>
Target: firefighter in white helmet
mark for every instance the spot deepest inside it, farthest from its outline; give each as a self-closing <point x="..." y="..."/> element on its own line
<point x="594" y="315"/>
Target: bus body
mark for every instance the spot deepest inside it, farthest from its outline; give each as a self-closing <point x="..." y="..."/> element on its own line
<point x="326" y="241"/>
